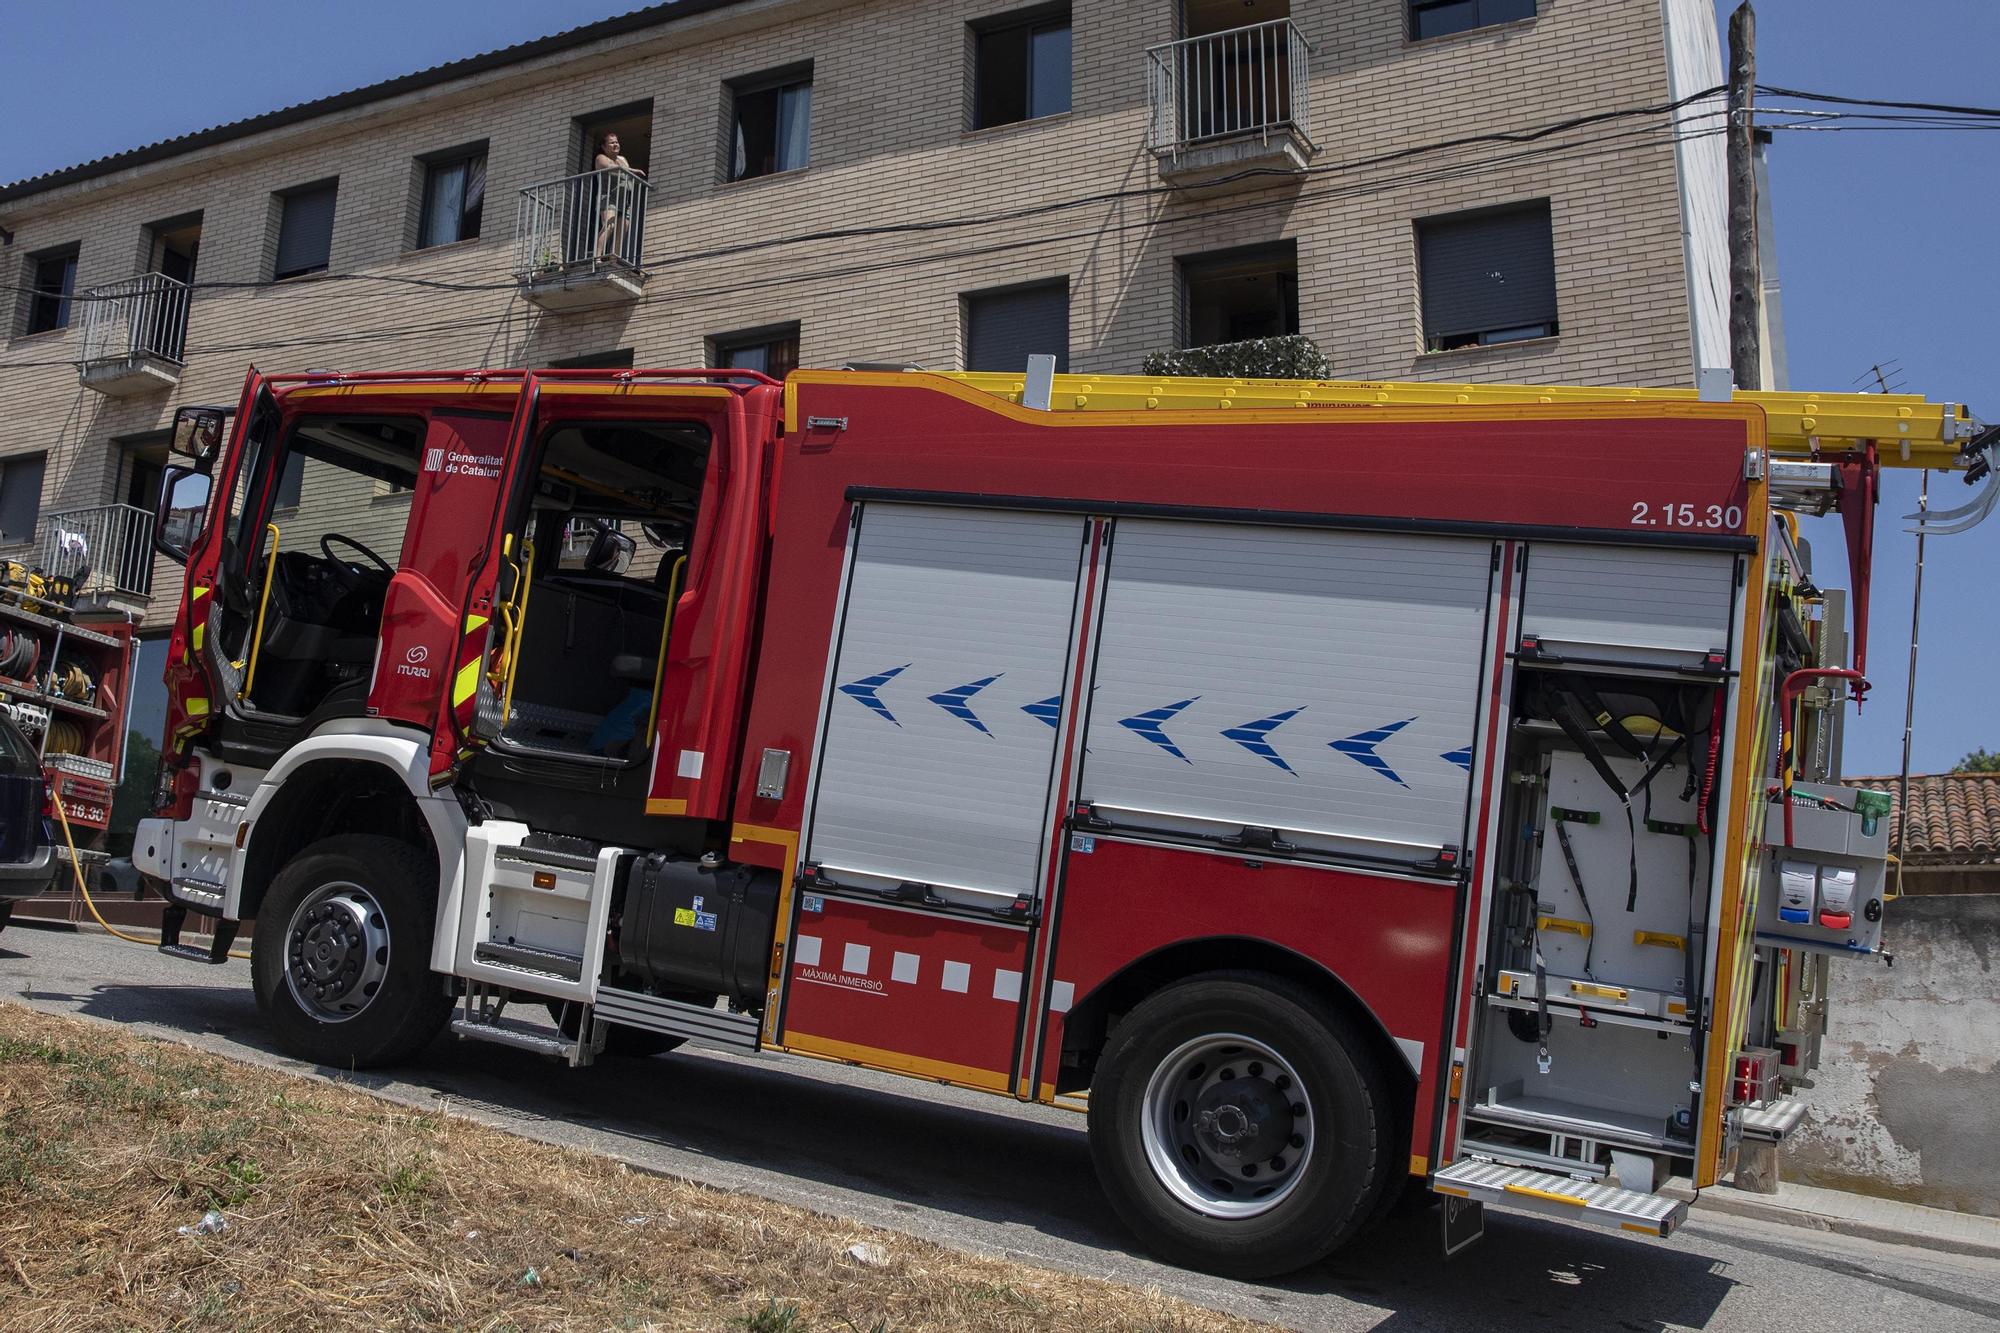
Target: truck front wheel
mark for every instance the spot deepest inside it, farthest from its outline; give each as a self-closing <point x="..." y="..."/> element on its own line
<point x="1239" y="1127"/>
<point x="341" y="963"/>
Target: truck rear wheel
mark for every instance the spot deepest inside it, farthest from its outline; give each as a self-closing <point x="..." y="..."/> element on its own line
<point x="1239" y="1127"/>
<point x="341" y="964"/>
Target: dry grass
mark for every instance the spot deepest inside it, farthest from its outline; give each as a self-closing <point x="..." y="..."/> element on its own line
<point x="345" y="1211"/>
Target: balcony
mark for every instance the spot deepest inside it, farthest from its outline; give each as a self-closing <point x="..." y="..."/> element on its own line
<point x="1231" y="102"/>
<point x="134" y="335"/>
<point x="106" y="550"/>
<point x="579" y="242"/>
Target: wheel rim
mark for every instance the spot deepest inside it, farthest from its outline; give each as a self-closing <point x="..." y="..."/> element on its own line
<point x="337" y="951"/>
<point x="1227" y="1126"/>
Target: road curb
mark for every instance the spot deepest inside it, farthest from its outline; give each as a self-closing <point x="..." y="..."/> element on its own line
<point x="1724" y="1200"/>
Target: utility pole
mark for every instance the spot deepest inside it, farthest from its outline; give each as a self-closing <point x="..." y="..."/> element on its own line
<point x="1746" y="352"/>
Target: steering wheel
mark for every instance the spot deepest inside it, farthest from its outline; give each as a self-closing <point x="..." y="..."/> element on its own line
<point x="344" y="573"/>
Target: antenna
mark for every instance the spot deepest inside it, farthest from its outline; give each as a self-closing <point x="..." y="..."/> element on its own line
<point x="1887" y="376"/>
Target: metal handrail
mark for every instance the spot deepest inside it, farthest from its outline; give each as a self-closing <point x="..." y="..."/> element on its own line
<point x="593" y="220"/>
<point x="1248" y="80"/>
<point x="142" y="316"/>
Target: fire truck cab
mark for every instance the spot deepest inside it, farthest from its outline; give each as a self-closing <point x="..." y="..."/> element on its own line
<point x="1325" y="787"/>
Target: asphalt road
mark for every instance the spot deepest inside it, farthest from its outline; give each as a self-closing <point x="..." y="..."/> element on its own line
<point x="991" y="1176"/>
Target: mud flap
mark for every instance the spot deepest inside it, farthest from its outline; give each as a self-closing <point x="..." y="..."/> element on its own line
<point x="1464" y="1222"/>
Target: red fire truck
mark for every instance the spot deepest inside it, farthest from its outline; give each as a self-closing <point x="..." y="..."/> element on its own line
<point x="1324" y="786"/>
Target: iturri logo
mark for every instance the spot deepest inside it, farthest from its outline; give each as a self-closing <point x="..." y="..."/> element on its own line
<point x="412" y="663"/>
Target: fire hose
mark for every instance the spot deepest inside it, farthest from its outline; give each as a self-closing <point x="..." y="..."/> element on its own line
<point x="76" y="870"/>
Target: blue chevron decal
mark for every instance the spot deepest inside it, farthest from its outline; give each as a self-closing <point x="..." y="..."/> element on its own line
<point x="864" y="690"/>
<point x="953" y="701"/>
<point x="1251" y="736"/>
<point x="1148" y="725"/>
<point x="1048" y="710"/>
<point x="1461" y="756"/>
<point x="1360" y="747"/>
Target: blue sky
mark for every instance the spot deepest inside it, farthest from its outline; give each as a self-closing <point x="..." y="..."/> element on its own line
<point x="1885" y="238"/>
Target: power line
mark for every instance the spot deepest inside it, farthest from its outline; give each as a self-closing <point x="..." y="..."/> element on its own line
<point x="1881" y="102"/>
<point x="1359" y="189"/>
<point x="961" y="222"/>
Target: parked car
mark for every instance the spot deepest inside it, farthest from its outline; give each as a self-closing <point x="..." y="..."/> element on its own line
<point x="26" y="859"/>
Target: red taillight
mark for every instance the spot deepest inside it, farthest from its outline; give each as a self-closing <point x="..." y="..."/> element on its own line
<point x="1743" y="1087"/>
<point x="1753" y="1078"/>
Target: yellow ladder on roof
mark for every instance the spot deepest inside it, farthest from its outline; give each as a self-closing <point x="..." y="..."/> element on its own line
<point x="1909" y="430"/>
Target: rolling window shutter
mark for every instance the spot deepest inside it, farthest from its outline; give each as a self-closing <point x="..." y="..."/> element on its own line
<point x="1004" y="329"/>
<point x="305" y="237"/>
<point x="1497" y="271"/>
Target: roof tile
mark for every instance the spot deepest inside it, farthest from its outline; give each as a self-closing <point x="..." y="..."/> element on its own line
<point x="1954" y="817"/>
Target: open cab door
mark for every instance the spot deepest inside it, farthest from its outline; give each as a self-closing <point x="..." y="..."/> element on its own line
<point x="608" y="619"/>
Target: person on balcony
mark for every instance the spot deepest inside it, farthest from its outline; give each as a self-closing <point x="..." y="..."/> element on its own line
<point x="620" y="198"/>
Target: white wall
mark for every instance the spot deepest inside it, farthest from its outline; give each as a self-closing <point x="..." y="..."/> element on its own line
<point x="1694" y="62"/>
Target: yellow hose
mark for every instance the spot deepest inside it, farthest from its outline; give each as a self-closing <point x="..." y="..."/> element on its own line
<point x="76" y="870"/>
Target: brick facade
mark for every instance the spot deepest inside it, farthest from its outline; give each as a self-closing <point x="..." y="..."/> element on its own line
<point x="889" y="144"/>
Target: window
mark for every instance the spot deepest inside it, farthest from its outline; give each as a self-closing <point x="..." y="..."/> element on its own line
<point x="1487" y="277"/>
<point x="292" y="482"/>
<point x="305" y="229"/>
<point x="771" y="119"/>
<point x="1004" y="328"/>
<point x="454" y="197"/>
<point x="20" y="496"/>
<point x="618" y="360"/>
<point x="1240" y="294"/>
<point x="1020" y="67"/>
<point x="773" y="351"/>
<point x="1439" y="18"/>
<point x="632" y="123"/>
<point x="52" y="275"/>
<point x="142" y="483"/>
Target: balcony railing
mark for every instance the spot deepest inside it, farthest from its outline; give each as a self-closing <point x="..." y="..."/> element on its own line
<point x="134" y="334"/>
<point x="582" y="231"/>
<point x="107" y="550"/>
<point x="1248" y="82"/>
<point x="146" y="315"/>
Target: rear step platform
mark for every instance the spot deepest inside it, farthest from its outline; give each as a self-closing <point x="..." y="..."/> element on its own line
<point x="1561" y="1196"/>
<point x="1771" y="1121"/>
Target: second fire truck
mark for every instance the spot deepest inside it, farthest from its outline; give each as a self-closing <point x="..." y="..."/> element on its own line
<point x="1330" y="788"/>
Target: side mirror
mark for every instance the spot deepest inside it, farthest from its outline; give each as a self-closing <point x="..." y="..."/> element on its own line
<point x="179" y="517"/>
<point x="198" y="434"/>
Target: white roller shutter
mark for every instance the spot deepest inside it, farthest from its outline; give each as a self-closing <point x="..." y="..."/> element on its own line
<point x="940" y="727"/>
<point x="1322" y="684"/>
<point x="1658" y="607"/>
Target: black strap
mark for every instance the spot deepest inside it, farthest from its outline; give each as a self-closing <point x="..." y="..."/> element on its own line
<point x="1607" y="721"/>
<point x="1576" y="878"/>
<point x="1568" y="715"/>
<point x="1645" y="785"/>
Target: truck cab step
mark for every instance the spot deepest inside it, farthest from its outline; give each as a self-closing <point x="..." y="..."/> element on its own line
<point x="174" y="917"/>
<point x="548" y="962"/>
<point x="521" y="1036"/>
<point x="1561" y="1196"/>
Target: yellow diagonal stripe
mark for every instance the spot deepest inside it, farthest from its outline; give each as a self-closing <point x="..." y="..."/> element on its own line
<point x="465" y="682"/>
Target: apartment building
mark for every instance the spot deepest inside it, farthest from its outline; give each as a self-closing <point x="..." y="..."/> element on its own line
<point x="1524" y="190"/>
